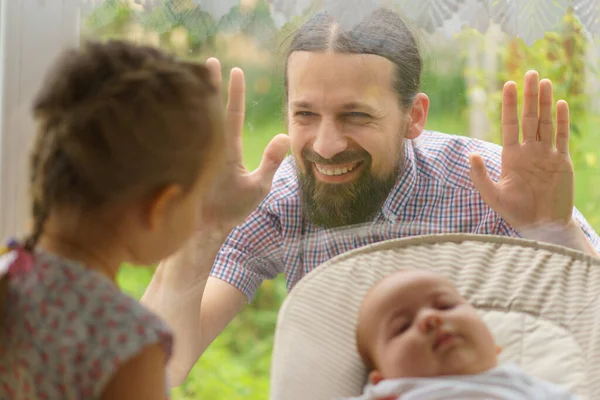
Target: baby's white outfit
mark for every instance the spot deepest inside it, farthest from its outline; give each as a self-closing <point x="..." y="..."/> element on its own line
<point x="506" y="382"/>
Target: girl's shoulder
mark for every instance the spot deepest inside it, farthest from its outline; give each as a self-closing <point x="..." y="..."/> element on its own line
<point x="80" y="327"/>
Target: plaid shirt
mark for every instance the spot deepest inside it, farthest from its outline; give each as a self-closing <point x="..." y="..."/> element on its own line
<point x="434" y="194"/>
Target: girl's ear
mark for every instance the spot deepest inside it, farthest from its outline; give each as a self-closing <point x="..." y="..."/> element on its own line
<point x="159" y="206"/>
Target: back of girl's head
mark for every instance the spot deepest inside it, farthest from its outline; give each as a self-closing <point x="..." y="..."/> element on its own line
<point x="115" y="121"/>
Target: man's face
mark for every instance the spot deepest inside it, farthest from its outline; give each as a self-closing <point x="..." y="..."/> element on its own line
<point x="416" y="324"/>
<point x="346" y="128"/>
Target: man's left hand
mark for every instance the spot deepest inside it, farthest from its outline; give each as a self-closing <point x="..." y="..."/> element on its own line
<point x="536" y="184"/>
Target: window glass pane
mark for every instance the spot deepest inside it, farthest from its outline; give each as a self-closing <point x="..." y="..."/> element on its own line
<point x="237" y="364"/>
<point x="469" y="52"/>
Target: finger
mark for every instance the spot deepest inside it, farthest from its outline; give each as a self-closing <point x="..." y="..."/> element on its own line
<point x="545" y="127"/>
<point x="272" y="158"/>
<point x="562" y="127"/>
<point x="510" y="120"/>
<point x="236" y="105"/>
<point x="529" y="117"/>
<point x="483" y="183"/>
<point x="214" y="66"/>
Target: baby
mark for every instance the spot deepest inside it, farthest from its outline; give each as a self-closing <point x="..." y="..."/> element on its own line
<point x="420" y="339"/>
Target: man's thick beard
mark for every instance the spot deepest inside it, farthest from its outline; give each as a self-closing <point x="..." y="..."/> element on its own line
<point x="337" y="205"/>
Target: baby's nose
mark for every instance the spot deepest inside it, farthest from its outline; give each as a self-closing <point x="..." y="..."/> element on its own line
<point x="431" y="323"/>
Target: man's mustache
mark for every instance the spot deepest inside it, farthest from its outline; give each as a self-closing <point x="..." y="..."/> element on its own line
<point x="346" y="157"/>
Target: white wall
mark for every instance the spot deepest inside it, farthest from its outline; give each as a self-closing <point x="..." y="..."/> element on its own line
<point x="33" y="32"/>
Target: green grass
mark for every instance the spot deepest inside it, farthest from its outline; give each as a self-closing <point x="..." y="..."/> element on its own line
<point x="585" y="152"/>
<point x="236" y="365"/>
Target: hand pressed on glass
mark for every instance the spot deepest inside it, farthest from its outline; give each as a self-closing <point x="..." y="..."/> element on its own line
<point x="236" y="192"/>
<point x="536" y="183"/>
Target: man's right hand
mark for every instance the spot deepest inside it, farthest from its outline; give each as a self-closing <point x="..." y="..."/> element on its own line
<point x="196" y="306"/>
<point x="235" y="192"/>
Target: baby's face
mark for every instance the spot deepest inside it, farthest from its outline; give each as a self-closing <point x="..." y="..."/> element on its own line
<point x="416" y="324"/>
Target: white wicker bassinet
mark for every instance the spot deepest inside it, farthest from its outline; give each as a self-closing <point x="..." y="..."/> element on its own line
<point x="542" y="302"/>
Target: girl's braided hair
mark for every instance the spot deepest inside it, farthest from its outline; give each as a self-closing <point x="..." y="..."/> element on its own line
<point x="117" y="120"/>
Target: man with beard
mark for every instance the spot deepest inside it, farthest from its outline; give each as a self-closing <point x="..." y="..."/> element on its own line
<point x="360" y="157"/>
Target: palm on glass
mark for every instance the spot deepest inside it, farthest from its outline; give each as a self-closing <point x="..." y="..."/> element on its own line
<point x="536" y="185"/>
<point x="236" y="192"/>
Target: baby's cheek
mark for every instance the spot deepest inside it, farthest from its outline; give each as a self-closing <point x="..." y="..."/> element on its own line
<point x="406" y="361"/>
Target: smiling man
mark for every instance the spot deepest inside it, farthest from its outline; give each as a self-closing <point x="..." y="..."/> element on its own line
<point x="361" y="156"/>
<point x="347" y="134"/>
<point x="362" y="169"/>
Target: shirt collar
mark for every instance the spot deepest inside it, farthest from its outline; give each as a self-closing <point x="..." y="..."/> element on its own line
<point x="404" y="188"/>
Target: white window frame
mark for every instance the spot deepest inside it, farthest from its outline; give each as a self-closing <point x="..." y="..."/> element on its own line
<point x="32" y="34"/>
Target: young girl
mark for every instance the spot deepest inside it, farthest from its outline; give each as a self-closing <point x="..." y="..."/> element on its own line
<point x="127" y="139"/>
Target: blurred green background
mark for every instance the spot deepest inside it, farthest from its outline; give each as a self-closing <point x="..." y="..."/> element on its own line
<point x="236" y="365"/>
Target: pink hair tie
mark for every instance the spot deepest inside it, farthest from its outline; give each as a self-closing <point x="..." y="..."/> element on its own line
<point x="14" y="260"/>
